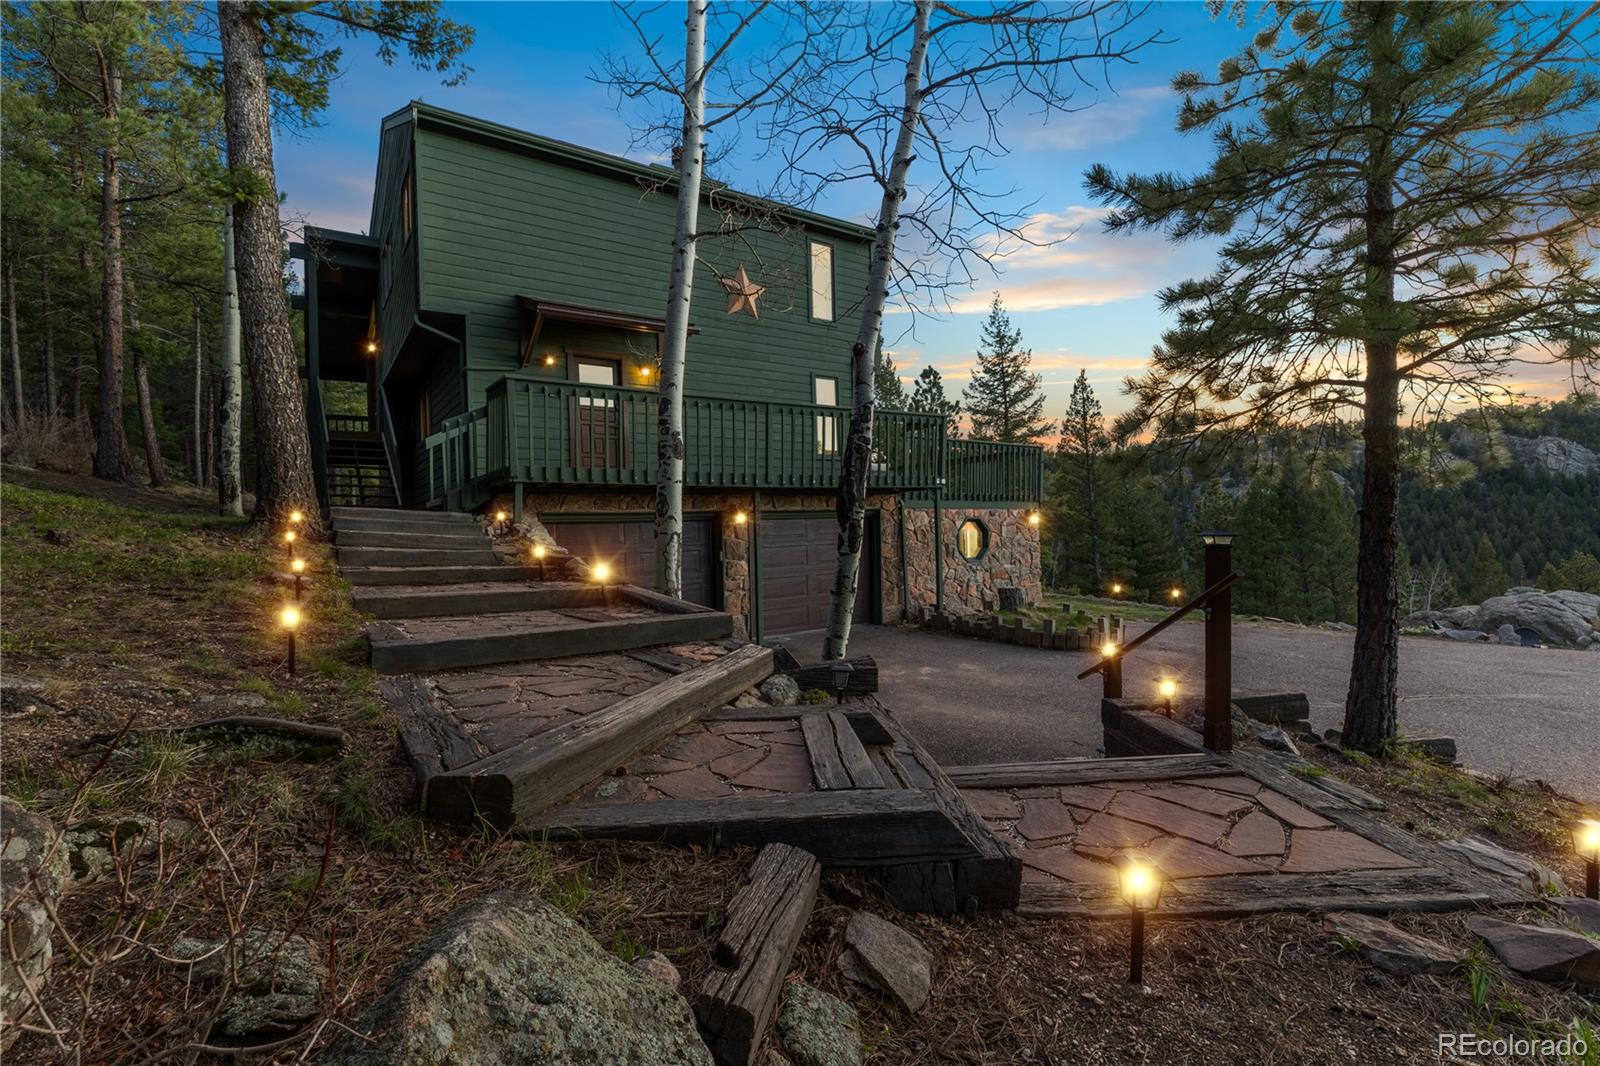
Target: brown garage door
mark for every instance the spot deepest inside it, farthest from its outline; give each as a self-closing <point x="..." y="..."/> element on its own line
<point x="797" y="560"/>
<point x="629" y="546"/>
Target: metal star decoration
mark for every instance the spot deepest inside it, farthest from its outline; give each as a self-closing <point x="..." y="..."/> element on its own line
<point x="742" y="293"/>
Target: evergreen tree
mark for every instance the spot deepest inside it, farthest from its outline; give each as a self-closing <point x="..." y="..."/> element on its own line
<point x="1488" y="576"/>
<point x="886" y="380"/>
<point x="1004" y="399"/>
<point x="1394" y="184"/>
<point x="1077" y="493"/>
<point x="928" y="395"/>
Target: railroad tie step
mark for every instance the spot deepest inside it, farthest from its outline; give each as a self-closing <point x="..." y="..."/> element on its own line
<point x="417" y="556"/>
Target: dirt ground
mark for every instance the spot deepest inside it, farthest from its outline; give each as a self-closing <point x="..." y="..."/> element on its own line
<point x="130" y="609"/>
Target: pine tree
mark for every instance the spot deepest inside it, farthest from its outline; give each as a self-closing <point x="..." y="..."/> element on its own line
<point x="1004" y="399"/>
<point x="1488" y="576"/>
<point x="886" y="379"/>
<point x="1372" y="247"/>
<point x="1077" y="497"/>
<point x="928" y="395"/>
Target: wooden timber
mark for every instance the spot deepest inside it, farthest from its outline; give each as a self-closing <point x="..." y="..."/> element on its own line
<point x="861" y="827"/>
<point x="863" y="677"/>
<point x="511" y="786"/>
<point x="837" y="758"/>
<point x="432" y="743"/>
<point x="754" y="948"/>
<point x="435" y="601"/>
<point x="866" y="724"/>
<point x="1087" y="771"/>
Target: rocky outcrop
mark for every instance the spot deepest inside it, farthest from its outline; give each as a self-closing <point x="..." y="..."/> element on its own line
<point x="278" y="979"/>
<point x="1553" y="455"/>
<point x="33" y="873"/>
<point x="1554" y="619"/>
<point x="510" y="979"/>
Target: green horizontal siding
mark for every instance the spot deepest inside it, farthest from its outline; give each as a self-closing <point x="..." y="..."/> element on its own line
<point x="497" y="224"/>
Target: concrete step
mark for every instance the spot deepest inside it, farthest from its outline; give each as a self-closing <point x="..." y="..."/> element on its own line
<point x="447" y="537"/>
<point x="435" y="575"/>
<point x="417" y="557"/>
<point x="452" y="642"/>
<point x="432" y="601"/>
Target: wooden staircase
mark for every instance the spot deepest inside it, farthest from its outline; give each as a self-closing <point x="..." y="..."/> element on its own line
<point x="358" y="471"/>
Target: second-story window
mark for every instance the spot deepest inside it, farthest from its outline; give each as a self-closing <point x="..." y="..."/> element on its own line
<point x="825" y="393"/>
<point x="821" y="281"/>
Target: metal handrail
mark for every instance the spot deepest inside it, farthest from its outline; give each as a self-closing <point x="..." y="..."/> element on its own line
<point x="1204" y="597"/>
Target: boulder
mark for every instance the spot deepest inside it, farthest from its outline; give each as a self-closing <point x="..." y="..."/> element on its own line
<point x="1540" y="953"/>
<point x="780" y="690"/>
<point x="1581" y="912"/>
<point x="33" y="874"/>
<point x="1391" y="948"/>
<point x="660" y="967"/>
<point x="896" y="959"/>
<point x="279" y="986"/>
<point x="1507" y="634"/>
<point x="93" y="845"/>
<point x="1277" y="740"/>
<point x="1524" y="608"/>
<point x="816" y="1029"/>
<point x="1526" y="873"/>
<point x="1439" y="749"/>
<point x="510" y="979"/>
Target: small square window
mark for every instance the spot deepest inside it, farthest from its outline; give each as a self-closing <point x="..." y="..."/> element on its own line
<point x="972" y="539"/>
<point x="821" y="281"/>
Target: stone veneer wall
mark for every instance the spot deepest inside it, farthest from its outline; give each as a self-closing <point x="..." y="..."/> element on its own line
<point x="735" y="538"/>
<point x="970" y="585"/>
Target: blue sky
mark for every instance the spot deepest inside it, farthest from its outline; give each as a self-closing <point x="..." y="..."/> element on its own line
<point x="1085" y="303"/>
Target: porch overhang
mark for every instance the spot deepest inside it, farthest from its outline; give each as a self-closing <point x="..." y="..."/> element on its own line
<point x="536" y="313"/>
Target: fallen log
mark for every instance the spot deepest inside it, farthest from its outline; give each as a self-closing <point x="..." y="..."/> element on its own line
<point x="319" y="740"/>
<point x="765" y="921"/>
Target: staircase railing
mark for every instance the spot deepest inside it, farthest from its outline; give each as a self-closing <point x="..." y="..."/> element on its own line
<point x="391" y="446"/>
<point x="316" y="421"/>
<point x="1218" y="659"/>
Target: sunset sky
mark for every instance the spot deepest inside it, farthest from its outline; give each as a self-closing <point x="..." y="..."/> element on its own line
<point x="1085" y="303"/>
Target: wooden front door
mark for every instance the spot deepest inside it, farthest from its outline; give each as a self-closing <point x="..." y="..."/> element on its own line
<point x="597" y="420"/>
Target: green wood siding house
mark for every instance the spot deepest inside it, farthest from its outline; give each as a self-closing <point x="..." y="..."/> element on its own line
<point x="504" y="316"/>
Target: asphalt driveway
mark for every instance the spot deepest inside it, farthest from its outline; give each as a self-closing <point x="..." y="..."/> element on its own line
<point x="1528" y="712"/>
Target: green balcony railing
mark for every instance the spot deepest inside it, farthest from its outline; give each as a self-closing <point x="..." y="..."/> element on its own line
<point x="981" y="471"/>
<point x="536" y="431"/>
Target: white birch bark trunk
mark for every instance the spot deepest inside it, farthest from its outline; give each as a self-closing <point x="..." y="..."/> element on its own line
<point x="680" y="291"/>
<point x="230" y="494"/>
<point x="852" y="506"/>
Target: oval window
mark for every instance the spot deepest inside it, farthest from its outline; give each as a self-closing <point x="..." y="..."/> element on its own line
<point x="972" y="539"/>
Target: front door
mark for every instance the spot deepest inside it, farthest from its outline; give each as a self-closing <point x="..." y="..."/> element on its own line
<point x="597" y="425"/>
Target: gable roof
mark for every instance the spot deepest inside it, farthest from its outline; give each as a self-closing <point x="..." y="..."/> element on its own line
<point x="430" y="116"/>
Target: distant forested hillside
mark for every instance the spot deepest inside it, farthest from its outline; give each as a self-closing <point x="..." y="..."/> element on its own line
<point x="1491" y="498"/>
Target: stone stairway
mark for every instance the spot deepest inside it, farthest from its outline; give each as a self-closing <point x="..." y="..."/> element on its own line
<point x="444" y="599"/>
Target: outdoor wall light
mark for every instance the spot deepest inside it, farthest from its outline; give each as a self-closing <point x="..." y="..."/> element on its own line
<point x="1141" y="891"/>
<point x="1217" y="537"/>
<point x="1034" y="519"/>
<point x="298" y="567"/>
<point x="1586" y="842"/>
<point x="644" y="372"/>
<point x="741" y="518"/>
<point x="372" y="347"/>
<point x="841" y="670"/>
<point x="1168" y="689"/>
<point x="289" y="619"/>
<point x="549" y="360"/>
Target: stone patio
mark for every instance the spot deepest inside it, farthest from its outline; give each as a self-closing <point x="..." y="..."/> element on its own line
<point x="709" y="760"/>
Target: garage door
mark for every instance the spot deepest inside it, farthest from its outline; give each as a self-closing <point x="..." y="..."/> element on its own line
<point x="797" y="560"/>
<point x="630" y="547"/>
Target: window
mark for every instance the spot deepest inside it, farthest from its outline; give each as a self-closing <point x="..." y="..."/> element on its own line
<point x="821" y="282"/>
<point x="972" y="539"/>
<point x="592" y="371"/>
<point x="825" y="393"/>
<point x="407" y="211"/>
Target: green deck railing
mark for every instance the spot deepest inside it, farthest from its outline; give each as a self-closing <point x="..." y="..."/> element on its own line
<point x="536" y="431"/>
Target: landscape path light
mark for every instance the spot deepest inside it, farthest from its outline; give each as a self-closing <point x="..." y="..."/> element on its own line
<point x="1111" y="670"/>
<point x="1175" y="594"/>
<point x="1141" y="891"/>
<point x="1586" y="842"/>
<point x="841" y="671"/>
<point x="1168" y="689"/>
<point x="298" y="566"/>
<point x="538" y="557"/>
<point x="500" y="518"/>
<point x="289" y="537"/>
<point x="296" y="517"/>
<point x="289" y="619"/>
<point x="600" y="573"/>
<point x="1116" y="588"/>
